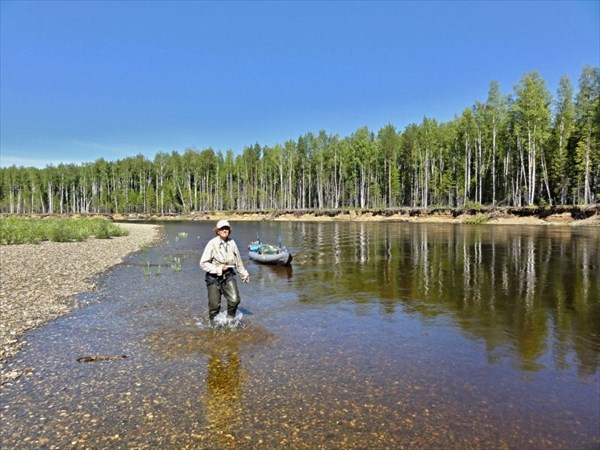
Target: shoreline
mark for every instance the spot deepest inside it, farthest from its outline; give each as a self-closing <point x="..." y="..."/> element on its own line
<point x="485" y="215"/>
<point x="570" y="216"/>
<point x="39" y="282"/>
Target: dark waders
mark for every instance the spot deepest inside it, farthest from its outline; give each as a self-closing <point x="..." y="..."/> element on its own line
<point x="225" y="285"/>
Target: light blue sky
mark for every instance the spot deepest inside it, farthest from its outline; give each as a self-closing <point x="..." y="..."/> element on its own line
<point x="84" y="80"/>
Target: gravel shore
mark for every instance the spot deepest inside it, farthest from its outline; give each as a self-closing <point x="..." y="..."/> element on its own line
<point x="38" y="282"/>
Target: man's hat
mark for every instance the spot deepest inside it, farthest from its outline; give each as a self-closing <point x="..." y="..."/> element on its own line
<point x="222" y="224"/>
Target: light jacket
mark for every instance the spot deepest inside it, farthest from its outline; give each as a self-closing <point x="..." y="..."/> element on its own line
<point x="218" y="252"/>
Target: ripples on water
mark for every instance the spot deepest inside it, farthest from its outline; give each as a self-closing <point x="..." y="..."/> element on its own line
<point x="381" y="335"/>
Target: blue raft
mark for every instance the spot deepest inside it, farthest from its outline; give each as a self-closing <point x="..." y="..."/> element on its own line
<point x="269" y="254"/>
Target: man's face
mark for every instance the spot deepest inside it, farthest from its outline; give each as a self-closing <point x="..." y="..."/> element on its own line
<point x="224" y="232"/>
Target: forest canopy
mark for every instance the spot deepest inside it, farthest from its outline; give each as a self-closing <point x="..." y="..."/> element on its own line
<point x="522" y="149"/>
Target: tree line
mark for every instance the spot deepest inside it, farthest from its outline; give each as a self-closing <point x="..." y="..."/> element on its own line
<point x="522" y="149"/>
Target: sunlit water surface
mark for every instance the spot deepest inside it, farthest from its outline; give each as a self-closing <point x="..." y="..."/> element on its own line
<point x="381" y="335"/>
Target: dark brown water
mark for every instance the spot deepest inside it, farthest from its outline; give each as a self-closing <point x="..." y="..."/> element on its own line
<point x="381" y="335"/>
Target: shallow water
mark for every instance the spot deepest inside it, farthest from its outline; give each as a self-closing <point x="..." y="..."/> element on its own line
<point x="380" y="335"/>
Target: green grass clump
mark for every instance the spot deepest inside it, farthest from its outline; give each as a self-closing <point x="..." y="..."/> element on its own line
<point x="473" y="206"/>
<point x="21" y="230"/>
<point x="477" y="219"/>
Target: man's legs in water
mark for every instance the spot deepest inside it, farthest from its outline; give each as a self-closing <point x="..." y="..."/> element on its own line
<point x="230" y="290"/>
<point x="214" y="301"/>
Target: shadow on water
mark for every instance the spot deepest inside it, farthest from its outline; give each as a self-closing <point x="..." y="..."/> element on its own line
<point x="380" y="335"/>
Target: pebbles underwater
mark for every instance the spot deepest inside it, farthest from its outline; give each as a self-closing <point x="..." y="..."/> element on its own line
<point x="40" y="282"/>
<point x="343" y="352"/>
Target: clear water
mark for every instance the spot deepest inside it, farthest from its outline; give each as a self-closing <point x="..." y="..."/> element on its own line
<point x="380" y="335"/>
<point x="222" y="320"/>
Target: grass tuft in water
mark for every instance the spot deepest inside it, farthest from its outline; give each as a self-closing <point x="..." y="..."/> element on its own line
<point x="181" y="235"/>
<point x="176" y="264"/>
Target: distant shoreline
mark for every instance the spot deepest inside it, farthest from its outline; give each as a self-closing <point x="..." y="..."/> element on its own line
<point x="559" y="215"/>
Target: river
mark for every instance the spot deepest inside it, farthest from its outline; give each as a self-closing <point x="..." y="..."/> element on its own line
<point x="380" y="335"/>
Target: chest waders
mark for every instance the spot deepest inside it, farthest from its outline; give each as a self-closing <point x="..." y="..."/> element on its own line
<point x="225" y="285"/>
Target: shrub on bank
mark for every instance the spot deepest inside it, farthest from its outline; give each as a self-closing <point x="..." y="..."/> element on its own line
<point x="477" y="219"/>
<point x="20" y="230"/>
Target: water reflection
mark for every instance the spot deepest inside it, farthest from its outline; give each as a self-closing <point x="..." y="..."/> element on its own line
<point x="269" y="275"/>
<point x="224" y="379"/>
<point x="525" y="291"/>
<point x="381" y="336"/>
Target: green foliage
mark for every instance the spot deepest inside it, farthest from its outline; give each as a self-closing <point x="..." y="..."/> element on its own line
<point x="19" y="230"/>
<point x="510" y="149"/>
<point x="176" y="264"/>
<point x="477" y="219"/>
<point x="181" y="235"/>
<point x="63" y="232"/>
<point x="474" y="206"/>
<point x="558" y="148"/>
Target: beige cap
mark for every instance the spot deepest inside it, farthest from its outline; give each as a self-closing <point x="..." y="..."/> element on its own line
<point x="222" y="224"/>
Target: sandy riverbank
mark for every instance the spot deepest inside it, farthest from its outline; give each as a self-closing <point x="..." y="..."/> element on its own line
<point x="588" y="216"/>
<point x="38" y="282"/>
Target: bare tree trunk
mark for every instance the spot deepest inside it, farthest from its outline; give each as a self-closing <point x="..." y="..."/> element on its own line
<point x="523" y="176"/>
<point x="42" y="203"/>
<point x="425" y="198"/>
<point x="545" y="175"/>
<point x="32" y="198"/>
<point x="531" y="169"/>
<point x="156" y="195"/>
<point x="587" y="193"/>
<point x="467" y="170"/>
<point x="563" y="176"/>
<point x="494" y="132"/>
<point x="11" y="200"/>
<point x="50" y="198"/>
<point x="19" y="210"/>
<point x="62" y="193"/>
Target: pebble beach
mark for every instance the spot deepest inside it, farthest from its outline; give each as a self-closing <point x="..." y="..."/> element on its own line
<point x="39" y="282"/>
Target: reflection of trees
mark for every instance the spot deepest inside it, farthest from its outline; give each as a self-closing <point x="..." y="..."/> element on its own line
<point x="523" y="289"/>
<point x="270" y="275"/>
<point x="223" y="403"/>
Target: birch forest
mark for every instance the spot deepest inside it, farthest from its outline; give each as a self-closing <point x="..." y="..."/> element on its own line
<point x="529" y="147"/>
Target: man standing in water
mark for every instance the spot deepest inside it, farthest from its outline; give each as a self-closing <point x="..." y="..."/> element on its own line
<point x="221" y="260"/>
